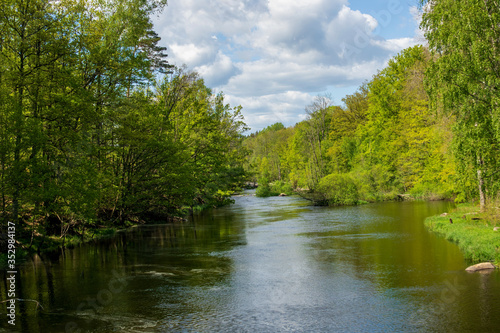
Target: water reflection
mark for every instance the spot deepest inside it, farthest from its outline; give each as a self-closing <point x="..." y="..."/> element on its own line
<point x="264" y="265"/>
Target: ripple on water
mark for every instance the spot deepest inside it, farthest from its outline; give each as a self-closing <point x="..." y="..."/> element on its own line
<point x="119" y="323"/>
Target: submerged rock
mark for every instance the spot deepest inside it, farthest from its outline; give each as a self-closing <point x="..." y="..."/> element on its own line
<point x="480" y="267"/>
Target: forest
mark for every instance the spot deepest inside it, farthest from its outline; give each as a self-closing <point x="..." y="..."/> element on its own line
<point x="97" y="129"/>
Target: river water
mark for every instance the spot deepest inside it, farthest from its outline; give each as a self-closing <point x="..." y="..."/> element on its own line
<point x="263" y="265"/>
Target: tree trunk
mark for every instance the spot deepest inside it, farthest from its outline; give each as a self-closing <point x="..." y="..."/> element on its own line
<point x="480" y="180"/>
<point x="18" y="128"/>
<point x="482" y="197"/>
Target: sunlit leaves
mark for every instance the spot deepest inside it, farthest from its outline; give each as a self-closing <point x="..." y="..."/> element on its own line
<point x="464" y="79"/>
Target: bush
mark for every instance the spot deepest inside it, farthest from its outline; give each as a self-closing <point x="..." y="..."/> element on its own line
<point x="281" y="187"/>
<point x="274" y="189"/>
<point x="264" y="190"/>
<point x="338" y="189"/>
<point x="376" y="184"/>
<point x="222" y="198"/>
<point x="429" y="191"/>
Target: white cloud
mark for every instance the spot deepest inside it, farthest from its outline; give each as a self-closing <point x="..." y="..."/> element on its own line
<point x="219" y="71"/>
<point x="266" y="77"/>
<point x="417" y="17"/>
<point x="394" y="45"/>
<point x="262" y="111"/>
<point x="273" y="56"/>
<point x="191" y="54"/>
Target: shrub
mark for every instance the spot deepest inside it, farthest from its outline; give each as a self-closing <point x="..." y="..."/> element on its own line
<point x="431" y="191"/>
<point x="338" y="189"/>
<point x="264" y="190"/>
<point x="281" y="187"/>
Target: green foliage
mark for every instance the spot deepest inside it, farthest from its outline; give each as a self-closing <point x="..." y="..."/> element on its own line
<point x="297" y="154"/>
<point x="338" y="189"/>
<point x="268" y="153"/>
<point x="273" y="128"/>
<point x="375" y="184"/>
<point x="88" y="137"/>
<point x="463" y="81"/>
<point x="264" y="190"/>
<point x="427" y="191"/>
<point x="280" y="187"/>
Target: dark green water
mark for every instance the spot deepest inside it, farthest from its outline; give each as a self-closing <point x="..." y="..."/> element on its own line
<point x="264" y="265"/>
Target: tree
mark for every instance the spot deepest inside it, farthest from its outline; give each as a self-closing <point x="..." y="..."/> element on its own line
<point x="464" y="81"/>
<point x="35" y="47"/>
<point x="317" y="130"/>
<point x="344" y="124"/>
<point x="208" y="134"/>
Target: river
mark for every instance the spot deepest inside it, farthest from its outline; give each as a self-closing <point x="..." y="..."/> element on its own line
<point x="263" y="265"/>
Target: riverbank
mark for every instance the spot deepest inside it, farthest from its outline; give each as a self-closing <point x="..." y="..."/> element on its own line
<point x="344" y="198"/>
<point x="26" y="247"/>
<point x="473" y="231"/>
<point x="33" y="237"/>
<point x="28" y="244"/>
<point x="346" y="190"/>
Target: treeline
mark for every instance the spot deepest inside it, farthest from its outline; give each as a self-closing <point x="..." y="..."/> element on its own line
<point x="89" y="135"/>
<point x="383" y="143"/>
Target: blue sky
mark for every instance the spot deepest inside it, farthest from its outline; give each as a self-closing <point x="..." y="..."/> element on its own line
<point x="273" y="57"/>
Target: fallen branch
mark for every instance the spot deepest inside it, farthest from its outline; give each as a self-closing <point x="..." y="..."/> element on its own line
<point x="25" y="300"/>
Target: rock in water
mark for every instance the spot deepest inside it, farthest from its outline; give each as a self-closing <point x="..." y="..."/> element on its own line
<point x="283" y="195"/>
<point x="480" y="267"/>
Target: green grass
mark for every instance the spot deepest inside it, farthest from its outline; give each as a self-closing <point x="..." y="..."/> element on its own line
<point x="475" y="238"/>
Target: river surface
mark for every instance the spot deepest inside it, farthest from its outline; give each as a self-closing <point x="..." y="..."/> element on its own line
<point x="263" y="265"/>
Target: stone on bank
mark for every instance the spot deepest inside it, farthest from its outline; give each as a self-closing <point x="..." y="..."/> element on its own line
<point x="480" y="267"/>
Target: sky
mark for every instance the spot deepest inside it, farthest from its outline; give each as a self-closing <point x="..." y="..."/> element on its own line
<point x="273" y="57"/>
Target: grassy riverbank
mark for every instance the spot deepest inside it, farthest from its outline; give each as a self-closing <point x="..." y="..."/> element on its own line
<point x="471" y="230"/>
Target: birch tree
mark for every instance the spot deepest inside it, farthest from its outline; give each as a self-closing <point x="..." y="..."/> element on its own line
<point x="464" y="80"/>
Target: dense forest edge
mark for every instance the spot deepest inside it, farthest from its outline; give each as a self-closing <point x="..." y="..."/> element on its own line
<point x="99" y="132"/>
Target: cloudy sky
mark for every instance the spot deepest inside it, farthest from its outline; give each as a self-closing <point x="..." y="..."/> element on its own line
<point x="273" y="57"/>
